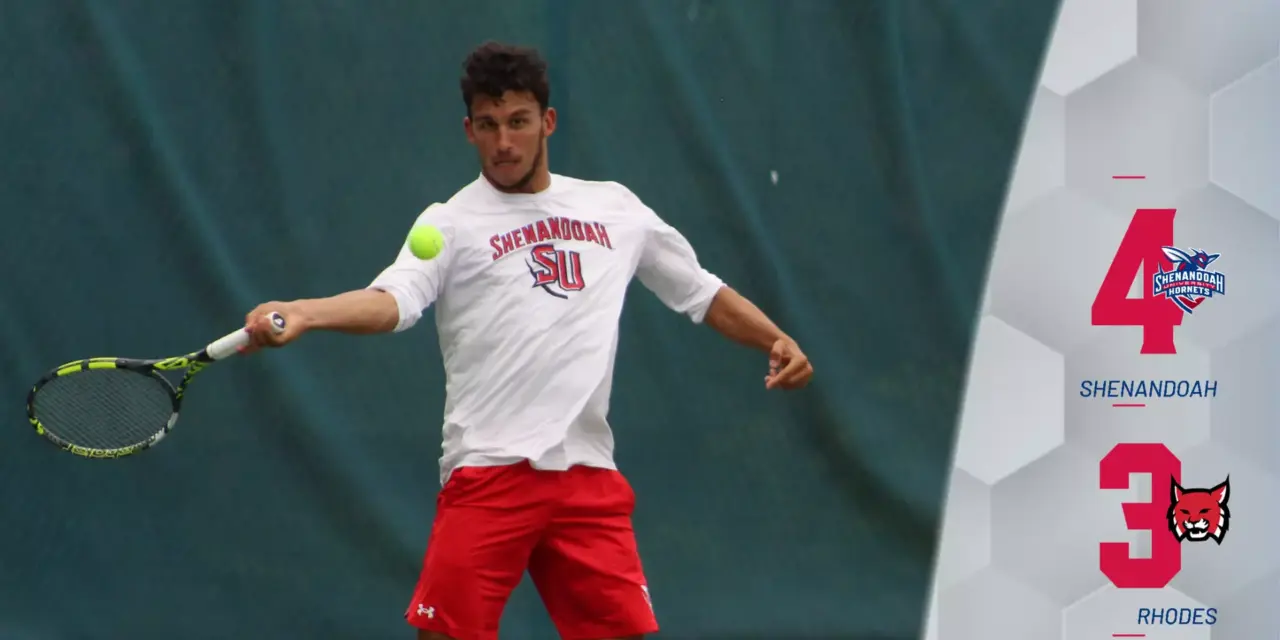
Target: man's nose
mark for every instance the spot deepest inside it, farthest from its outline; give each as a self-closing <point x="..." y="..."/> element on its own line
<point x="505" y="143"/>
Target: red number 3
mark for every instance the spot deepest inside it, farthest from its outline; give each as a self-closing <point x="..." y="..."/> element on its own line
<point x="1166" y="554"/>
<point x="1149" y="232"/>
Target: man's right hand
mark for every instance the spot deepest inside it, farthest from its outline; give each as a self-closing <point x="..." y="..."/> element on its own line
<point x="261" y="332"/>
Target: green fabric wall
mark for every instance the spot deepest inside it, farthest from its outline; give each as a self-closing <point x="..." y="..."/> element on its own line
<point x="168" y="165"/>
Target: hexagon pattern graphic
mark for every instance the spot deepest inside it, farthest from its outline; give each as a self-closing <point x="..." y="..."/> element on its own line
<point x="1057" y="222"/>
<point x="1246" y="154"/>
<point x="1041" y="164"/>
<point x="1142" y="104"/>
<point x="968" y="545"/>
<point x="1205" y="46"/>
<point x="1121" y="125"/>
<point x="1091" y="37"/>
<point x="1013" y="404"/>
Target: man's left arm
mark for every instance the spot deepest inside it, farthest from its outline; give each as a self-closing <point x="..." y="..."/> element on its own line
<point x="736" y="318"/>
<point x="669" y="268"/>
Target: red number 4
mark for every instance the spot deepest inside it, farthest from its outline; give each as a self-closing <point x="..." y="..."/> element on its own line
<point x="1166" y="553"/>
<point x="1149" y="232"/>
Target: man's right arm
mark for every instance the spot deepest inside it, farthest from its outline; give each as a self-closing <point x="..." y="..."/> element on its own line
<point x="362" y="311"/>
<point x="394" y="301"/>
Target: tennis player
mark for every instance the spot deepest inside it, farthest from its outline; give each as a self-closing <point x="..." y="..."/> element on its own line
<point x="527" y="294"/>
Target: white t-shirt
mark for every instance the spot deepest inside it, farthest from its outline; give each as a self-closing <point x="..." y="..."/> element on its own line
<point x="528" y="292"/>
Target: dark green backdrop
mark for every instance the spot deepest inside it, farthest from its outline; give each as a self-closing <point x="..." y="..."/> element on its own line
<point x="168" y="165"/>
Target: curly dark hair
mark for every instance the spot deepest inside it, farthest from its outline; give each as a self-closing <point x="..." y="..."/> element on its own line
<point x="495" y="68"/>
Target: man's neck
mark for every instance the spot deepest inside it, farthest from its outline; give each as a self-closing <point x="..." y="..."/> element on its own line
<point x="540" y="182"/>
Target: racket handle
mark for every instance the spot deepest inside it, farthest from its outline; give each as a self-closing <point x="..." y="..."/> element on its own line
<point x="231" y="343"/>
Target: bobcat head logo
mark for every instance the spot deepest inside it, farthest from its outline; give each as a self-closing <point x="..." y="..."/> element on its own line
<point x="1199" y="514"/>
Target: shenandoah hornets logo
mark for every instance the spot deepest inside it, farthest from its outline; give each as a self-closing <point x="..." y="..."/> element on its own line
<point x="1199" y="514"/>
<point x="557" y="271"/>
<point x="1192" y="281"/>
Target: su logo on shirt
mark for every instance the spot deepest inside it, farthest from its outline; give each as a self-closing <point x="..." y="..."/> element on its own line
<point x="557" y="271"/>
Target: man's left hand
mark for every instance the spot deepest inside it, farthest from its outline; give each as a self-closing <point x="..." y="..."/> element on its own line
<point x="789" y="368"/>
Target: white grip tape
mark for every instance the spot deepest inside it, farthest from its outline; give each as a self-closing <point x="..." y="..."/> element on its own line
<point x="231" y="343"/>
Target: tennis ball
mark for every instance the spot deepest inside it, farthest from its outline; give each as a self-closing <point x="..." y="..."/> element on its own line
<point x="425" y="242"/>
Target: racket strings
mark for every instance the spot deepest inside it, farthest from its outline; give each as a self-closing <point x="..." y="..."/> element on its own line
<point x="104" y="408"/>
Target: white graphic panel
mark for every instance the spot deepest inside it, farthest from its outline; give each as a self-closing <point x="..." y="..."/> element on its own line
<point x="1042" y="155"/>
<point x="1246" y="153"/>
<point x="1091" y="38"/>
<point x="967" y="548"/>
<point x="1169" y="372"/>
<point x="1137" y="120"/>
<point x="1014" y="403"/>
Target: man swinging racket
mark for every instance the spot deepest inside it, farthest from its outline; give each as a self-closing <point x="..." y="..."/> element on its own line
<point x="528" y="290"/>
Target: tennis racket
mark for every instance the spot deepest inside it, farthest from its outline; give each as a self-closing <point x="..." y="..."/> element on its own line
<point x="115" y="407"/>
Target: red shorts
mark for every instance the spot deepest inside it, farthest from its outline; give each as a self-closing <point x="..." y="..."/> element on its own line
<point x="570" y="529"/>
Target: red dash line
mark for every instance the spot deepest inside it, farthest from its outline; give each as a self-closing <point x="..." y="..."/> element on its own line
<point x="1122" y="404"/>
<point x="1128" y="177"/>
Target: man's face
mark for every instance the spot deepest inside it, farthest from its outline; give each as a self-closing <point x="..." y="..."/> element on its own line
<point x="509" y="134"/>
